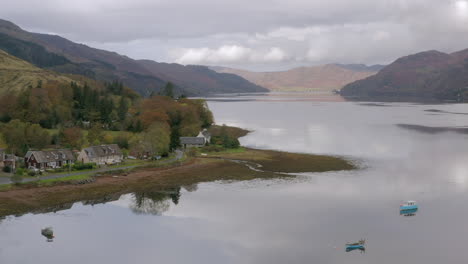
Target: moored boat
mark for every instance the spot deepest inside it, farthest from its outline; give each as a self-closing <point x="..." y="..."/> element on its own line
<point x="358" y="245"/>
<point x="409" y="206"/>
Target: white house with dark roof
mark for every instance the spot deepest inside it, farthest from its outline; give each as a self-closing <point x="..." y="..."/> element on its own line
<point x="101" y="155"/>
<point x="48" y="159"/>
<point x="207" y="135"/>
<point x="189" y="142"/>
<point x="203" y="138"/>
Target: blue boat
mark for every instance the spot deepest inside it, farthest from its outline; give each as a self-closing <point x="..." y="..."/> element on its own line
<point x="353" y="246"/>
<point x="409" y="205"/>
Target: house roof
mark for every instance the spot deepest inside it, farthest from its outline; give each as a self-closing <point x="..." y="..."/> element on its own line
<point x="10" y="157"/>
<point x="103" y="151"/>
<point x="205" y="133"/>
<point x="192" y="140"/>
<point x="51" y="155"/>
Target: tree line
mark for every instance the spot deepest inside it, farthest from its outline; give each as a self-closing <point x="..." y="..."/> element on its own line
<point x="76" y="115"/>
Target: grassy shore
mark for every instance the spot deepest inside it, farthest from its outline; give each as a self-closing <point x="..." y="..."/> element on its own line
<point x="203" y="166"/>
<point x="285" y="162"/>
<point x="212" y="167"/>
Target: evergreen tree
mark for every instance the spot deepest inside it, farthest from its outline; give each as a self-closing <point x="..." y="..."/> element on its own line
<point x="123" y="108"/>
<point x="169" y="90"/>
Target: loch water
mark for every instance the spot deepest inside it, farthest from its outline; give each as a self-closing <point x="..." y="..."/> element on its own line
<point x="405" y="151"/>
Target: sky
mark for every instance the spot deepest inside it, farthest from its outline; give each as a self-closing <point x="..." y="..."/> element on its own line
<point x="258" y="35"/>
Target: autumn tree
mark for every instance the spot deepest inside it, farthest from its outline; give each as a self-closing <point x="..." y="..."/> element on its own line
<point x="154" y="141"/>
<point x="72" y="137"/>
<point x="2" y="141"/>
<point x="157" y="138"/>
<point x="95" y="134"/>
<point x="36" y="136"/>
<point x="23" y="136"/>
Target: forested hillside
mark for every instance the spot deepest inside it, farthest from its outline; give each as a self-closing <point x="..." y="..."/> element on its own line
<point x="47" y="110"/>
<point x="16" y="74"/>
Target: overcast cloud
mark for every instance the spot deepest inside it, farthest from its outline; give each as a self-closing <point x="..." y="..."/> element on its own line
<point x="253" y="34"/>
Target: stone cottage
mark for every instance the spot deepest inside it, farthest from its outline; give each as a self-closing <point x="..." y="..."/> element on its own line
<point x="101" y="155"/>
<point x="48" y="159"/>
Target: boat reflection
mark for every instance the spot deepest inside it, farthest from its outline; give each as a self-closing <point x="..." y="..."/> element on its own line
<point x="361" y="249"/>
<point x="409" y="212"/>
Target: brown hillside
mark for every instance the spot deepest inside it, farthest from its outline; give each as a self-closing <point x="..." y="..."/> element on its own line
<point x="324" y="78"/>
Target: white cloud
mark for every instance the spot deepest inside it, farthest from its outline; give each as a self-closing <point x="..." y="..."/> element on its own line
<point x="228" y="54"/>
<point x="275" y="55"/>
<point x="261" y="34"/>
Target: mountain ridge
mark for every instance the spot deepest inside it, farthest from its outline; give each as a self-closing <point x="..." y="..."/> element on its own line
<point x="326" y="77"/>
<point x="75" y="58"/>
<point x="427" y="75"/>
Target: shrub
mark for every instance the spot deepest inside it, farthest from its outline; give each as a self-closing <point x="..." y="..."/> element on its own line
<point x="7" y="169"/>
<point x="84" y="166"/>
<point x="213" y="148"/>
<point x="231" y="143"/>
<point x="19" y="171"/>
<point x="226" y="141"/>
<point x="32" y="173"/>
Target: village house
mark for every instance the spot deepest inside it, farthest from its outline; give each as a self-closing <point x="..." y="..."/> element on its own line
<point x="190" y="142"/>
<point x="10" y="161"/>
<point x="207" y="135"/>
<point x="203" y="138"/>
<point x="101" y="155"/>
<point x="48" y="159"/>
<point x="7" y="160"/>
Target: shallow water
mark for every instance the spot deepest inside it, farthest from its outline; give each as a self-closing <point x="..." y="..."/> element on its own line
<point x="307" y="219"/>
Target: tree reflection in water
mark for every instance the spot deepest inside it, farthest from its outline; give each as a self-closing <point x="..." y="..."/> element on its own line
<point x="362" y="250"/>
<point x="191" y="188"/>
<point x="155" y="203"/>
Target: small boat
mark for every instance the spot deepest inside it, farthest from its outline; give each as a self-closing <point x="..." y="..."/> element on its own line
<point x="358" y="245"/>
<point x="409" y="206"/>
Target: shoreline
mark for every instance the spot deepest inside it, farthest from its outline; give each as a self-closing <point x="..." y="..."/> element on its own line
<point x="212" y="167"/>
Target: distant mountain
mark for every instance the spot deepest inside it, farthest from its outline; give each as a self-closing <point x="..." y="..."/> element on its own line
<point x="362" y="67"/>
<point x="200" y="78"/>
<point x="16" y="74"/>
<point x="429" y="75"/>
<point x="324" y="77"/>
<point x="59" y="54"/>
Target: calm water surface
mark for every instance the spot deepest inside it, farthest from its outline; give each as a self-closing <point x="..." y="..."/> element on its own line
<point x="303" y="220"/>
